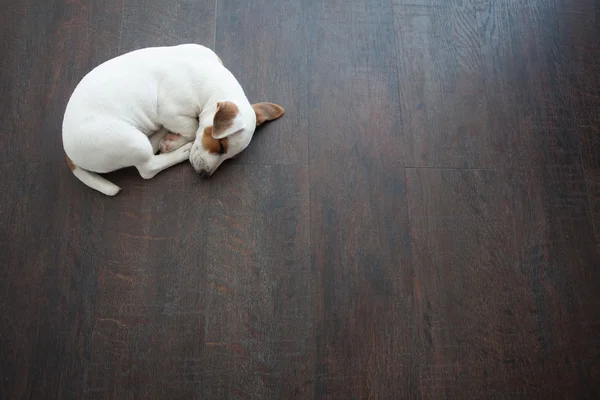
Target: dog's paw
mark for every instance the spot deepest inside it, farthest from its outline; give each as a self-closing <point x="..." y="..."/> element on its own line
<point x="169" y="143"/>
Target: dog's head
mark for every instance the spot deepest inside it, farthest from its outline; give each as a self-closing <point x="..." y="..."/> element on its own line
<point x="227" y="133"/>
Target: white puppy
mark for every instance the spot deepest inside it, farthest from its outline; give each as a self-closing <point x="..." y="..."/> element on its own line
<point x="121" y="114"/>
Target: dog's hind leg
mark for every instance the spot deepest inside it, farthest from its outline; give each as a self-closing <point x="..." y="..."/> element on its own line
<point x="156" y="138"/>
<point x="172" y="142"/>
<point x="160" y="162"/>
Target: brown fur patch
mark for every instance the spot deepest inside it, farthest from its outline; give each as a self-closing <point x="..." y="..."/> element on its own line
<point x="213" y="145"/>
<point x="226" y="112"/>
<point x="221" y="61"/>
<point x="267" y="112"/>
<point x="70" y="164"/>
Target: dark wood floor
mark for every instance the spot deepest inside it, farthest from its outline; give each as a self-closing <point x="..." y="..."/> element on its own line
<point x="424" y="222"/>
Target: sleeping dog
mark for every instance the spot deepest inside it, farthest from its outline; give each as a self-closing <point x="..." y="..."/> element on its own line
<point x="180" y="100"/>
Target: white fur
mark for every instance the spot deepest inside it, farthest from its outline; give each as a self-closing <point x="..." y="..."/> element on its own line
<point x="120" y="111"/>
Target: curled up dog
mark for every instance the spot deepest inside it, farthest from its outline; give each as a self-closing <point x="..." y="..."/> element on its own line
<point x="180" y="100"/>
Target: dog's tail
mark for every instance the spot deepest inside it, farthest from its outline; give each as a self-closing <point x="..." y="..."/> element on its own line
<point x="93" y="180"/>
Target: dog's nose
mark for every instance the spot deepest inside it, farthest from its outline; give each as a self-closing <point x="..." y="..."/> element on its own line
<point x="204" y="174"/>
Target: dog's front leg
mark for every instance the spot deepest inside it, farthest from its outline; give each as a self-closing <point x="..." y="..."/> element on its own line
<point x="162" y="161"/>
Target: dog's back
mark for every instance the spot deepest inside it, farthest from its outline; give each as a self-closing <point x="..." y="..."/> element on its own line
<point x="127" y="86"/>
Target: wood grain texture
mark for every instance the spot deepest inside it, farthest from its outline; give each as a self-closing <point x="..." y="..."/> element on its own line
<point x="524" y="350"/>
<point x="466" y="269"/>
<point x="424" y="222"/>
<point x="359" y="236"/>
<point x="47" y="49"/>
<point x="442" y="85"/>
<point x="577" y="29"/>
<point x="49" y="252"/>
<point x="259" y="333"/>
<point x="593" y="190"/>
<point x="162" y="23"/>
<point x="149" y="305"/>
<point x="263" y="43"/>
<point x="577" y="24"/>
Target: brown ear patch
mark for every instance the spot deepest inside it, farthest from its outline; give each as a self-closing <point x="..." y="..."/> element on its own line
<point x="212" y="145"/>
<point x="267" y="112"/>
<point x="70" y="164"/>
<point x="226" y="112"/>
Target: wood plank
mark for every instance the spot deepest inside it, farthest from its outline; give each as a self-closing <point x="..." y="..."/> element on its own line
<point x="558" y="250"/>
<point x="465" y="260"/>
<point x="49" y="221"/>
<point x="363" y="297"/>
<point x="442" y="85"/>
<point x="258" y="340"/>
<point x="578" y="29"/>
<point x="149" y="320"/>
<point x="593" y="190"/>
<point x="150" y="300"/>
<point x="49" y="48"/>
<point x="160" y="23"/>
<point x="482" y="246"/>
<point x="263" y="43"/>
<point x="556" y="244"/>
<point x="50" y="254"/>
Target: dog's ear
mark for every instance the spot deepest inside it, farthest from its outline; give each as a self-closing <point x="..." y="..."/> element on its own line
<point x="267" y="112"/>
<point x="227" y="120"/>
